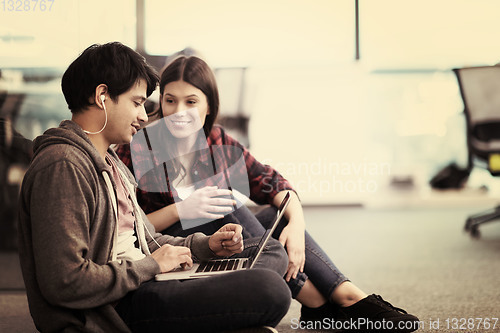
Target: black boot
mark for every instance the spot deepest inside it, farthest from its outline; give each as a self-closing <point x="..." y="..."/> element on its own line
<point x="374" y="314"/>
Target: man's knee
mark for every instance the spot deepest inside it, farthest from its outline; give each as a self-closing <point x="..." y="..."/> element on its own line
<point x="272" y="288"/>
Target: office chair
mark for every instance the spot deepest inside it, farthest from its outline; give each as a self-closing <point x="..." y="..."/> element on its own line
<point x="480" y="91"/>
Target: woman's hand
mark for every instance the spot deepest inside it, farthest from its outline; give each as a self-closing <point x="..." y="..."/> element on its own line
<point x="170" y="257"/>
<point x="206" y="203"/>
<point x="293" y="239"/>
<point x="227" y="241"/>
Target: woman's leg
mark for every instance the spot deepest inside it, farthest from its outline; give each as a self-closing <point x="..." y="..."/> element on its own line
<point x="250" y="229"/>
<point x="319" y="270"/>
<point x="176" y="229"/>
<point x="320" y="278"/>
<point x="349" y="302"/>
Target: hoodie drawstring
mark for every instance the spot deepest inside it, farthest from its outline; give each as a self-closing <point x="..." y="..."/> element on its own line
<point x="112" y="196"/>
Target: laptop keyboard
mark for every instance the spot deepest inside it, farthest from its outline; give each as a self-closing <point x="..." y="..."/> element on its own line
<point x="219" y="265"/>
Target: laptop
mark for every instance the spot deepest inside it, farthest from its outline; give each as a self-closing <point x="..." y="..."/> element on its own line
<point x="221" y="266"/>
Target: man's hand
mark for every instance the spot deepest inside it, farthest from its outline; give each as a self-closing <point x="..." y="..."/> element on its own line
<point x="170" y="257"/>
<point x="227" y="240"/>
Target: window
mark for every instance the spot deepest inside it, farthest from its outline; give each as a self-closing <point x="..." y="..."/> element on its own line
<point x="234" y="33"/>
<point x="429" y="34"/>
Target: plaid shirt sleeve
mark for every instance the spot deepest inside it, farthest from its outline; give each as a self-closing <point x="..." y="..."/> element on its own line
<point x="264" y="181"/>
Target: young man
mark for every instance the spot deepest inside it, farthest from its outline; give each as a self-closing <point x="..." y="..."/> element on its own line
<point x="88" y="252"/>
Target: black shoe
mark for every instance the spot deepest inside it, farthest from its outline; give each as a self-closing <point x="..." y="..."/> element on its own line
<point x="374" y="314"/>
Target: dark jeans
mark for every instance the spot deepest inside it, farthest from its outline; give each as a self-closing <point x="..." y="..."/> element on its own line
<point x="318" y="267"/>
<point x="247" y="298"/>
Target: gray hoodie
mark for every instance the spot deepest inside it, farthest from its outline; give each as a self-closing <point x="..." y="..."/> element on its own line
<point x="67" y="228"/>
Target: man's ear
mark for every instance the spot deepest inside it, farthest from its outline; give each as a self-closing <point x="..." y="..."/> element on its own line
<point x="100" y="91"/>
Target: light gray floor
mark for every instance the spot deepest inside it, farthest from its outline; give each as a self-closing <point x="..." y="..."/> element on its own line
<point x="418" y="259"/>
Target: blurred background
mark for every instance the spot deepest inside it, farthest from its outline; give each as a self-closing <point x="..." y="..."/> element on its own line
<point x="354" y="101"/>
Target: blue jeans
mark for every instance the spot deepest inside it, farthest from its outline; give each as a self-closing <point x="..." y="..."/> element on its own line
<point x="241" y="299"/>
<point x="318" y="267"/>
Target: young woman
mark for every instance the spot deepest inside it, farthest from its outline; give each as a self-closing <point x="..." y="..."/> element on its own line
<point x="182" y="169"/>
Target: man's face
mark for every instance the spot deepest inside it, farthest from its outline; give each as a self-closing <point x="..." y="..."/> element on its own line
<point x="126" y="115"/>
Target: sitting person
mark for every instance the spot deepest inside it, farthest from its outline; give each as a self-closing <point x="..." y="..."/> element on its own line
<point x="88" y="253"/>
<point x="179" y="184"/>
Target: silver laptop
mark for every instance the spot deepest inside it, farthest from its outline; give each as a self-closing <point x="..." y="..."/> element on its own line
<point x="222" y="266"/>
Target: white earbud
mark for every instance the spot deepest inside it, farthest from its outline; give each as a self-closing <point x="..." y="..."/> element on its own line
<point x="103" y="98"/>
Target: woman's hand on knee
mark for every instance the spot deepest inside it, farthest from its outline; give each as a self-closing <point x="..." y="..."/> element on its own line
<point x="293" y="239"/>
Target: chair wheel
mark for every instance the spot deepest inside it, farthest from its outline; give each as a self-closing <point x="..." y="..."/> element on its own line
<point x="474" y="232"/>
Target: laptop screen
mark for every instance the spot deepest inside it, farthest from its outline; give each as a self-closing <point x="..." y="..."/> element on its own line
<point x="270" y="231"/>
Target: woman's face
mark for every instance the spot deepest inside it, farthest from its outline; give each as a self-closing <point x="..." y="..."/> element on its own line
<point x="185" y="108"/>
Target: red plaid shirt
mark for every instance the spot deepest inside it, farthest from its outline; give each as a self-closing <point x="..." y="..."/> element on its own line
<point x="264" y="182"/>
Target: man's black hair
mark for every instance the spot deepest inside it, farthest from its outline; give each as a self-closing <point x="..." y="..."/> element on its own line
<point x="113" y="64"/>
